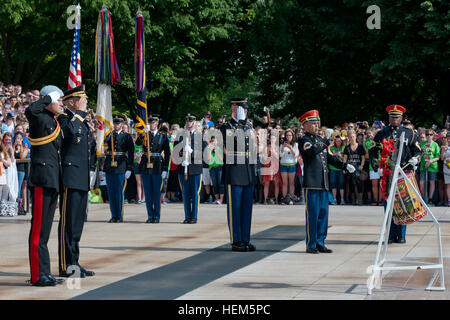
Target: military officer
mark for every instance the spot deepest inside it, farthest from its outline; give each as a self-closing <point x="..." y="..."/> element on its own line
<point x="45" y="172"/>
<point x="239" y="174"/>
<point x="191" y="168"/>
<point x="77" y="162"/>
<point x="410" y="156"/>
<point x="316" y="156"/>
<point x="118" y="166"/>
<point x="153" y="166"/>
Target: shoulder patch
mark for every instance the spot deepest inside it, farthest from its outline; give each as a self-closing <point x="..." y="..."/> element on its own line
<point x="307" y="146"/>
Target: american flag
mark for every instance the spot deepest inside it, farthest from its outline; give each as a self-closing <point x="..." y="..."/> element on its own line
<point x="75" y="61"/>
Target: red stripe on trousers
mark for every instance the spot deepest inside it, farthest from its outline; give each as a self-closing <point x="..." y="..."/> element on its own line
<point x="36" y="233"/>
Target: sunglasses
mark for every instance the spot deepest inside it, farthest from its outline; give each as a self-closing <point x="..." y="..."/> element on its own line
<point x="190" y="119"/>
<point x="429" y="135"/>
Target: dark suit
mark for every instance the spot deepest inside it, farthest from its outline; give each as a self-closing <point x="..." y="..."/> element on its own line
<point x="45" y="173"/>
<point x="78" y="158"/>
<point x="151" y="174"/>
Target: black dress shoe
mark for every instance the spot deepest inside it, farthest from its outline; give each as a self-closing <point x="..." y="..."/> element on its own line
<point x="312" y="250"/>
<point x="186" y="221"/>
<point x="76" y="273"/>
<point x="155" y="220"/>
<point x="324" y="249"/>
<point x="239" y="247"/>
<point x="192" y="221"/>
<point x="119" y="220"/>
<point x="250" y="247"/>
<point x="390" y="241"/>
<point x="57" y="281"/>
<point x="112" y="220"/>
<point x="148" y="220"/>
<point x="86" y="273"/>
<point x="44" y="281"/>
<point x="401" y="240"/>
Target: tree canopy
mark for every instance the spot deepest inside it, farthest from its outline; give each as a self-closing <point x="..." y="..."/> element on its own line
<point x="288" y="55"/>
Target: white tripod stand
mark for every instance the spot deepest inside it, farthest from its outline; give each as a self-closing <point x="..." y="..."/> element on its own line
<point x="378" y="267"/>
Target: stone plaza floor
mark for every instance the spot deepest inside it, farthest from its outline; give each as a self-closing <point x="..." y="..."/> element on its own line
<point x="171" y="260"/>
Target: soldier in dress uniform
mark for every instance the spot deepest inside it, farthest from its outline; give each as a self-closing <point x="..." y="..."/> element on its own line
<point x="191" y="168"/>
<point x="239" y="174"/>
<point x="153" y="166"/>
<point x="118" y="166"/>
<point x="45" y="138"/>
<point x="316" y="156"/>
<point x="77" y="162"/>
<point x="410" y="156"/>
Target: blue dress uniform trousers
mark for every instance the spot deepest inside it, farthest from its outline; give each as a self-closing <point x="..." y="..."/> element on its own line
<point x="116" y="187"/>
<point x="395" y="231"/>
<point x="152" y="189"/>
<point x="239" y="212"/>
<point x="190" y="189"/>
<point x="316" y="217"/>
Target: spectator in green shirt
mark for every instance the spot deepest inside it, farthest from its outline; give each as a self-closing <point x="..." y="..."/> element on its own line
<point x="429" y="164"/>
<point x="215" y="158"/>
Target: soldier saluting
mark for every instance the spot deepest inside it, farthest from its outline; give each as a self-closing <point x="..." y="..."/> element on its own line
<point x="239" y="174"/>
<point x="316" y="156"/>
<point x="45" y="173"/>
<point x="78" y="159"/>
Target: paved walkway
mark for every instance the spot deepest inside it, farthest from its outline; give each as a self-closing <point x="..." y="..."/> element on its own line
<point x="170" y="260"/>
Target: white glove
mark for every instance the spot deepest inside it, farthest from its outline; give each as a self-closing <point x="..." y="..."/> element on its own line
<point x="413" y="161"/>
<point x="328" y="133"/>
<point x="147" y="128"/>
<point x="240" y="113"/>
<point x="188" y="149"/>
<point x="164" y="175"/>
<point x="127" y="174"/>
<point x="380" y="172"/>
<point x="350" y="168"/>
<point x="185" y="163"/>
<point x="91" y="179"/>
<point x="55" y="96"/>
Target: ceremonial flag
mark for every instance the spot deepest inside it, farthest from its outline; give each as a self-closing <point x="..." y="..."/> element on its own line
<point x="139" y="69"/>
<point x="106" y="74"/>
<point x="75" y="60"/>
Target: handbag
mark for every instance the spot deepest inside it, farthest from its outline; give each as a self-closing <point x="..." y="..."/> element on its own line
<point x="8" y="208"/>
<point x="363" y="176"/>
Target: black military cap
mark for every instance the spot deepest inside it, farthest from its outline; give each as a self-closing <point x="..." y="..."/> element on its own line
<point x="190" y="116"/>
<point x="242" y="102"/>
<point x="75" y="92"/>
<point x="154" y="117"/>
<point x="118" y="118"/>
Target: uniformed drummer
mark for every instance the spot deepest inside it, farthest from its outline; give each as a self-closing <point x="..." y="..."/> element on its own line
<point x="153" y="166"/>
<point x="410" y="156"/>
<point x="118" y="166"/>
<point x="316" y="156"/>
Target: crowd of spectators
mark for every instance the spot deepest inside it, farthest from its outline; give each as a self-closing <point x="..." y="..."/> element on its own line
<point x="279" y="162"/>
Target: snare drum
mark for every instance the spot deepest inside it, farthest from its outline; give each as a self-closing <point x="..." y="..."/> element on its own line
<point x="407" y="206"/>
